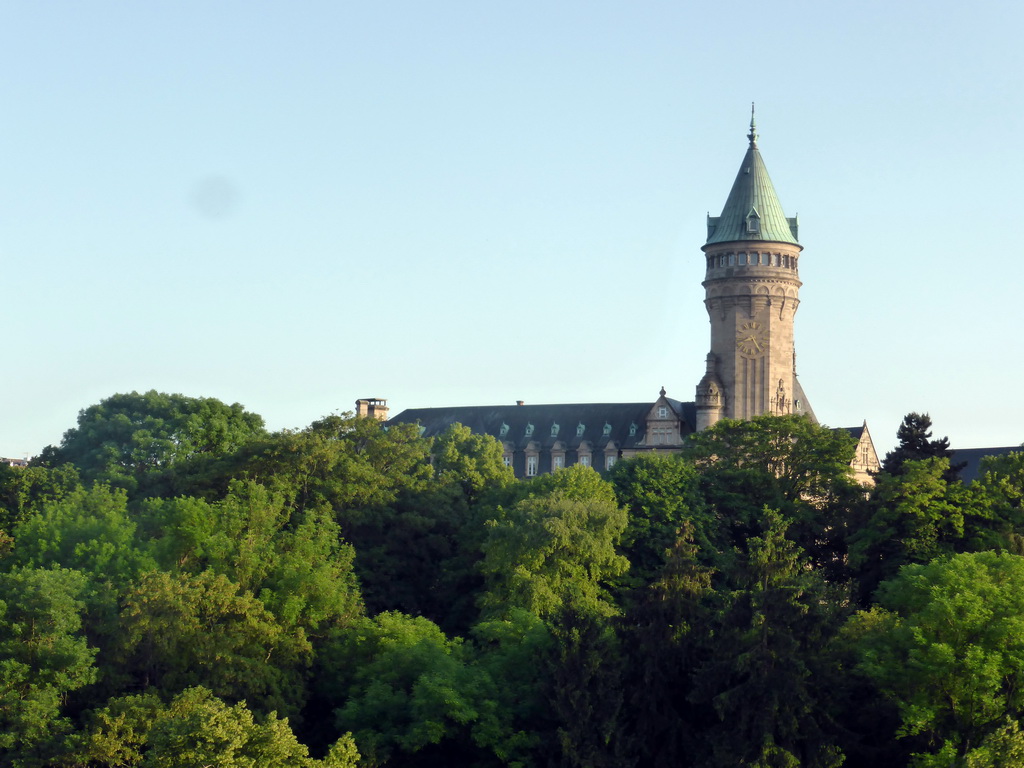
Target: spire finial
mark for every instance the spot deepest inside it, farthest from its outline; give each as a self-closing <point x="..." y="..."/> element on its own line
<point x="753" y="127"/>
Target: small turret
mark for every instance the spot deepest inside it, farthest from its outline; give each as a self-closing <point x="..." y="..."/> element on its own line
<point x="710" y="400"/>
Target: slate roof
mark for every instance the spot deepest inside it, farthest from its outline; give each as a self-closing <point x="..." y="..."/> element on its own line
<point x="973" y="457"/>
<point x="509" y="423"/>
<point x="752" y="193"/>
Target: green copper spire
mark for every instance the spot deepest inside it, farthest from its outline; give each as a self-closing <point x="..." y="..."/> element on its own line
<point x="752" y="211"/>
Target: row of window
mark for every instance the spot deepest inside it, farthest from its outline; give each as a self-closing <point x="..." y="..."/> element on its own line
<point x="744" y="259"/>
<point x="557" y="462"/>
<point x="606" y="430"/>
<point x="555" y="428"/>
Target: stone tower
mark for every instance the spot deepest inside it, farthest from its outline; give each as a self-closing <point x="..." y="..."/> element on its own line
<point x="752" y="288"/>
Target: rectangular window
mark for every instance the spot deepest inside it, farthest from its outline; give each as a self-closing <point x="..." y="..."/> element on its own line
<point x="557" y="461"/>
<point x="743" y="259"/>
<point x="507" y="460"/>
<point x="662" y="411"/>
<point x="531" y="466"/>
<point x="609" y="462"/>
<point x="585" y="460"/>
<point x="766" y="259"/>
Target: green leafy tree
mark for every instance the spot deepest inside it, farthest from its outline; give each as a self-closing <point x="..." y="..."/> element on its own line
<point x="43" y="657"/>
<point x="999" y="490"/>
<point x="432" y="531"/>
<point x="295" y="562"/>
<point x="23" y="489"/>
<point x="556" y="549"/>
<point x="87" y="530"/>
<point x="410" y="687"/>
<point x="90" y="531"/>
<point x="436" y="533"/>
<point x="916" y="516"/>
<point x="185" y="630"/>
<point x="195" y="730"/>
<point x="661" y="495"/>
<point x="517" y="723"/>
<point x="786" y="463"/>
<point x="472" y="464"/>
<point x="132" y="439"/>
<point x="351" y="464"/>
<point x="946" y="644"/>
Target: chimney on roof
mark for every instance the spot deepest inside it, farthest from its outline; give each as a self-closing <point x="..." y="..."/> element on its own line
<point x="374" y="407"/>
<point x="520" y="402"/>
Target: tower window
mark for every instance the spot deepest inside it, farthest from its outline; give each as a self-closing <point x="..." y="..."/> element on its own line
<point x="753" y="225"/>
<point x="742" y="259"/>
<point x="766" y="259"/>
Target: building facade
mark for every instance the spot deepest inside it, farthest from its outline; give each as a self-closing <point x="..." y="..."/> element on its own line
<point x="752" y="291"/>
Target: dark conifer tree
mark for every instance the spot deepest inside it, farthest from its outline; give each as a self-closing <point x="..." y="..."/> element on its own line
<point x="916" y="444"/>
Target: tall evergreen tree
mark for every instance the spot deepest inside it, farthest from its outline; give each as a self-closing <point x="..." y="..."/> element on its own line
<point x="766" y="676"/>
<point x="915" y="444"/>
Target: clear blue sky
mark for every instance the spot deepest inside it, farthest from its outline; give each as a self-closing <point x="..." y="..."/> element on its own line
<point x="293" y="205"/>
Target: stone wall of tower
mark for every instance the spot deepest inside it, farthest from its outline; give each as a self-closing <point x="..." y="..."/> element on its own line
<point x="752" y="294"/>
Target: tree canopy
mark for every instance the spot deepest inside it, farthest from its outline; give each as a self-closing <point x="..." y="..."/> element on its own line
<point x="179" y="587"/>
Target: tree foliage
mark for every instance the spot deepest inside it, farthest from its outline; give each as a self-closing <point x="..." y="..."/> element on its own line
<point x="43" y="657"/>
<point x="915" y="444"/>
<point x="133" y="438"/>
<point x="180" y="631"/>
<point x="946" y="643"/>
<point x="557" y="550"/>
<point x="175" y="582"/>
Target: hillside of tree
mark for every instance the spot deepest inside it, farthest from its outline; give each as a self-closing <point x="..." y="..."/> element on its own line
<point x="181" y="588"/>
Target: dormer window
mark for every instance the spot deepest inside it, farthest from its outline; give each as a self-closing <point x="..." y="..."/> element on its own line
<point x="580" y="429"/>
<point x="529" y="429"/>
<point x="607" y="429"/>
<point x="632" y="429"/>
<point x="554" y="430"/>
<point x="504" y="430"/>
<point x="662" y="412"/>
<point x="753" y="223"/>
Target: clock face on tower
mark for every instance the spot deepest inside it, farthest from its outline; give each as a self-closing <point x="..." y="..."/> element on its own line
<point x="752" y="339"/>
